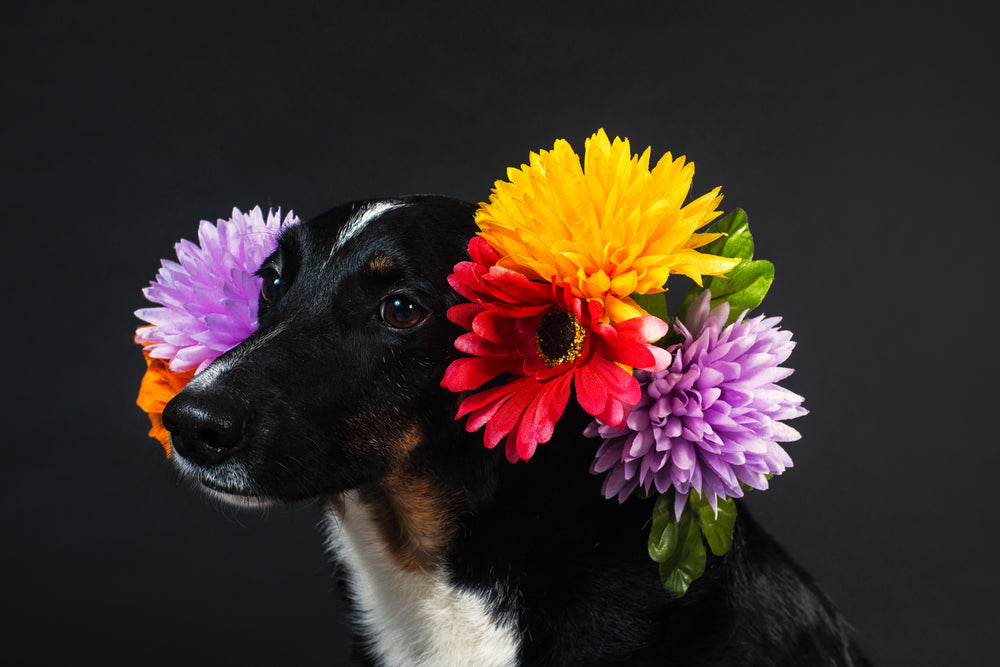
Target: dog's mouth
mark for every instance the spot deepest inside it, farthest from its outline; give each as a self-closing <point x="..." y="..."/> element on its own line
<point x="215" y="485"/>
<point x="234" y="496"/>
<point x="229" y="483"/>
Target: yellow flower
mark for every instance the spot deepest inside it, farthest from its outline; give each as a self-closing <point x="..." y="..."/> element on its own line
<point x="608" y="228"/>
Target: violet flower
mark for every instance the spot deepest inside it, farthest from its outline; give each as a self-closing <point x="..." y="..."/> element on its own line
<point x="209" y="296"/>
<point x="713" y="419"/>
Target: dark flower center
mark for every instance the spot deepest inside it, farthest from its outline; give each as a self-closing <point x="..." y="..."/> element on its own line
<point x="559" y="338"/>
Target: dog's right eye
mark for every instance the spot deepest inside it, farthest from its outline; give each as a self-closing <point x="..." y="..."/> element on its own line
<point x="273" y="287"/>
<point x="400" y="312"/>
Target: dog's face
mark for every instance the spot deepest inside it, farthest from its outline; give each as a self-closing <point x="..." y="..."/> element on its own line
<point x="342" y="376"/>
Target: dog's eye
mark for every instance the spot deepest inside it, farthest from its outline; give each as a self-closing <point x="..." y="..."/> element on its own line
<point x="273" y="287"/>
<point x="400" y="312"/>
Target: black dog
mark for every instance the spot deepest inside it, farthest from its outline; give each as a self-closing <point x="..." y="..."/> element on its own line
<point x="451" y="555"/>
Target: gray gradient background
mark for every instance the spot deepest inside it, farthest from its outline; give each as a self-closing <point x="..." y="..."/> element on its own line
<point x="860" y="138"/>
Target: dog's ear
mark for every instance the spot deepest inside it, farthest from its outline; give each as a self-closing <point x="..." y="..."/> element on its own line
<point x="458" y="228"/>
<point x="447" y="225"/>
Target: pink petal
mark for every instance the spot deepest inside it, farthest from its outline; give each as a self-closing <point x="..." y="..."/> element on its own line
<point x="463" y="314"/>
<point x="510" y="413"/>
<point x="590" y="391"/>
<point x="472" y="372"/>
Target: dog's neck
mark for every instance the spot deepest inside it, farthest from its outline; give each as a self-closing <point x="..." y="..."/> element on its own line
<point x="407" y="609"/>
<point x="414" y="515"/>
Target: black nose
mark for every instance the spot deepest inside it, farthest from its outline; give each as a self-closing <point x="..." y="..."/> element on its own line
<point x="205" y="427"/>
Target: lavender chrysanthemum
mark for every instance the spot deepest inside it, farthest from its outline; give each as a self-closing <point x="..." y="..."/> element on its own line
<point x="209" y="297"/>
<point x="713" y="419"/>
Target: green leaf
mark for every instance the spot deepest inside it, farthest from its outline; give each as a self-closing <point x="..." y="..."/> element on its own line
<point x="663" y="533"/>
<point x="737" y="242"/>
<point x="717" y="529"/>
<point x="654" y="304"/>
<point x="744" y="289"/>
<point x="687" y="561"/>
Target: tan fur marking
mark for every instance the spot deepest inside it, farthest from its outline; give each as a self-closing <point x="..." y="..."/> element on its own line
<point x="414" y="512"/>
<point x="381" y="264"/>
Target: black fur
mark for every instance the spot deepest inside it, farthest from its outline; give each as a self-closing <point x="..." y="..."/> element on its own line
<point x="318" y="400"/>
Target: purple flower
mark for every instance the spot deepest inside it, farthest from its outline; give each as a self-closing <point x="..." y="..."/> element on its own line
<point x="209" y="298"/>
<point x="711" y="420"/>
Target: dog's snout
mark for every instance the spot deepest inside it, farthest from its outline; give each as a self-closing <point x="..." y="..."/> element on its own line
<point x="205" y="428"/>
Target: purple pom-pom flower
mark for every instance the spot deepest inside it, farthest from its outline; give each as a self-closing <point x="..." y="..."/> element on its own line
<point x="713" y="419"/>
<point x="209" y="296"/>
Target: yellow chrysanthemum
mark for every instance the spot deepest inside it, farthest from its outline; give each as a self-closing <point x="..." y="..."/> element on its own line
<point x="609" y="227"/>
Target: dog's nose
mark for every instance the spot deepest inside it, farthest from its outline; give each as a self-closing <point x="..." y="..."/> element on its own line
<point x="204" y="428"/>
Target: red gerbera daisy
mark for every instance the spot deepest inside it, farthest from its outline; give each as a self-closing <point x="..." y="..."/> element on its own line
<point x="547" y="341"/>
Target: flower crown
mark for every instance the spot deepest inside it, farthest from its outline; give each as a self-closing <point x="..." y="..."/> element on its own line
<point x="564" y="297"/>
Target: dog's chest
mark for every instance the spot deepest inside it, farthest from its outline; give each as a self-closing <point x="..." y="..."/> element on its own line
<point x="414" y="618"/>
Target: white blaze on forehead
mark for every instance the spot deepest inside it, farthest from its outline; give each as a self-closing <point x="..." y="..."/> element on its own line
<point x="360" y="219"/>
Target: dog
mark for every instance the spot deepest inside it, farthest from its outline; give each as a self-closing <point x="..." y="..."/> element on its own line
<point x="448" y="554"/>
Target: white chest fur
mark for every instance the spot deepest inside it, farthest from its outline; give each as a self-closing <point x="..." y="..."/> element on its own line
<point x="414" y="618"/>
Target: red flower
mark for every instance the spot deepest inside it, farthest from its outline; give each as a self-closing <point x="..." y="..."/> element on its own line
<point x="547" y="341"/>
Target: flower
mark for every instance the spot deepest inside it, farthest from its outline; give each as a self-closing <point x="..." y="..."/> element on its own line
<point x="711" y="421"/>
<point x="209" y="304"/>
<point x="159" y="385"/>
<point x="609" y="228"/>
<point x="209" y="298"/>
<point x="547" y="340"/>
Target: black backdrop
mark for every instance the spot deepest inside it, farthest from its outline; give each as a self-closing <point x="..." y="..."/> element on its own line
<point x="860" y="139"/>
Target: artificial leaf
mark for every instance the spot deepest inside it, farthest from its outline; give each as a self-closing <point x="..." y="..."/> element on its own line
<point x="737" y="242"/>
<point x="654" y="304"/>
<point x="744" y="289"/>
<point x="687" y="561"/>
<point x="663" y="533"/>
<point x="717" y="528"/>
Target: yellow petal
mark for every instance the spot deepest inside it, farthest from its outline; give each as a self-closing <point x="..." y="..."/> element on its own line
<point x="607" y="224"/>
<point x="619" y="310"/>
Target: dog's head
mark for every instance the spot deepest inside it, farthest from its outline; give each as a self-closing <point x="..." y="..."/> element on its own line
<point x="342" y="376"/>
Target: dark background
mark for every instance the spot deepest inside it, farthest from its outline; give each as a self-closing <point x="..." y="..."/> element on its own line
<point x="860" y="138"/>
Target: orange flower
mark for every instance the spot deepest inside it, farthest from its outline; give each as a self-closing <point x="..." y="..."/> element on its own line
<point x="159" y="385"/>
